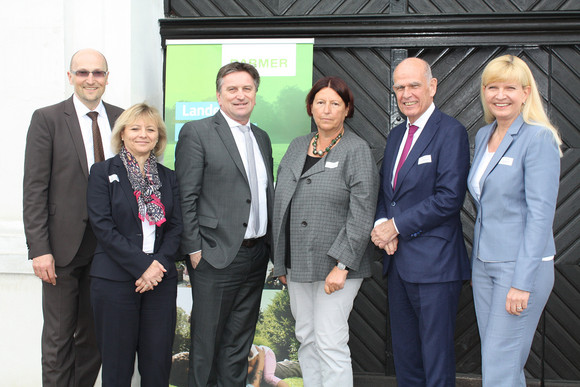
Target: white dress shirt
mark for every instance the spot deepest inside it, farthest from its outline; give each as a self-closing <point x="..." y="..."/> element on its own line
<point x="148" y="236"/>
<point x="87" y="129"/>
<point x="261" y="174"/>
<point x="476" y="179"/>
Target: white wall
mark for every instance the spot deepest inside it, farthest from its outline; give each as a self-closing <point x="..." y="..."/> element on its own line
<point x="37" y="43"/>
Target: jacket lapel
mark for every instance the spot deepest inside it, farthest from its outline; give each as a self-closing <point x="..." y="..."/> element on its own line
<point x="263" y="146"/>
<point x="118" y="168"/>
<point x="393" y="144"/>
<point x="502" y="148"/>
<point x="111" y="115"/>
<point x="223" y="130"/>
<point x="74" y="128"/>
<point x="424" y="139"/>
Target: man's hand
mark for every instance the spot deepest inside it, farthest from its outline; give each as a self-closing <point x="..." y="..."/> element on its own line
<point x="391" y="247"/>
<point x="335" y="280"/>
<point x="384" y="233"/>
<point x="194" y="259"/>
<point x="44" y="268"/>
<point x="151" y="278"/>
<point x="282" y="279"/>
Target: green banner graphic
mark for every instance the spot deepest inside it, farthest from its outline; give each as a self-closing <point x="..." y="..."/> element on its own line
<point x="285" y="68"/>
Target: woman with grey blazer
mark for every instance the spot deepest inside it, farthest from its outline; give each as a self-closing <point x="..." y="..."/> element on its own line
<point x="326" y="194"/>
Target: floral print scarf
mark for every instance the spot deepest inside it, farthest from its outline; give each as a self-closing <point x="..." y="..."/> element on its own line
<point x="146" y="188"/>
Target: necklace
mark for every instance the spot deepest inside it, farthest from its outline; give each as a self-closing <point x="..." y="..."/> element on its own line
<point x="322" y="152"/>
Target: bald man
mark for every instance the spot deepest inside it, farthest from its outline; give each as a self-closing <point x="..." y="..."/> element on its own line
<point x="63" y="142"/>
<point x="423" y="185"/>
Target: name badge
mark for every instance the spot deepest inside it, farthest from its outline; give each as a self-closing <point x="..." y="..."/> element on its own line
<point x="331" y="164"/>
<point x="113" y="178"/>
<point x="424" y="159"/>
<point x="507" y="161"/>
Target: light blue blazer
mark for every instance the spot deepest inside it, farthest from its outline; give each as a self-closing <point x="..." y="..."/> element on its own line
<point x="519" y="188"/>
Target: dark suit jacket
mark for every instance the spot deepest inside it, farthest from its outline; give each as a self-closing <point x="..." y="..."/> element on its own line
<point x="114" y="217"/>
<point x="427" y="200"/>
<point x="215" y="194"/>
<point x="55" y="182"/>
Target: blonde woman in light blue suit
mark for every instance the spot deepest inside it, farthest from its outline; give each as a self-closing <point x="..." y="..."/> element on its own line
<point x="514" y="181"/>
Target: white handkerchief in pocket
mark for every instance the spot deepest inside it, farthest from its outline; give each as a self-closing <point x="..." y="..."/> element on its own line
<point x="113" y="178"/>
<point x="507" y="161"/>
<point x="424" y="159"/>
<point x="331" y="164"/>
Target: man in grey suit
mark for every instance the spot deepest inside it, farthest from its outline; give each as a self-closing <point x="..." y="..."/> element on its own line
<point x="224" y="168"/>
<point x="60" y="149"/>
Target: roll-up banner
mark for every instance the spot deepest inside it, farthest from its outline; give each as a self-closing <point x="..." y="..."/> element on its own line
<point x="285" y="67"/>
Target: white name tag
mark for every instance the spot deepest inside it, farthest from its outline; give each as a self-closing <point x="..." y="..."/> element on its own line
<point x="113" y="178"/>
<point x="507" y="161"/>
<point x="424" y="159"/>
<point x="330" y="164"/>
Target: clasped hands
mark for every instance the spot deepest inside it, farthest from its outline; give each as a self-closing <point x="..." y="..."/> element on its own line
<point x="151" y="278"/>
<point x="384" y="236"/>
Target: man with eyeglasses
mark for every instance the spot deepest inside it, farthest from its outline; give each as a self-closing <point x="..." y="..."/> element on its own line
<point x="63" y="141"/>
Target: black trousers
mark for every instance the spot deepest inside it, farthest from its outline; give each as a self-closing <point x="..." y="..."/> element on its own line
<point x="226" y="304"/>
<point x="129" y="323"/>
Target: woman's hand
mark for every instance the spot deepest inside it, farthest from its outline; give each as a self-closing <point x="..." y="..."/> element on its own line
<point x="516" y="301"/>
<point x="335" y="280"/>
<point x="151" y="278"/>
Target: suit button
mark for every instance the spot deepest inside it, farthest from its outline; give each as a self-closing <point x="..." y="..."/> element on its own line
<point x="245" y="224"/>
<point x="393" y="204"/>
<point x="248" y="201"/>
<point x="308" y="181"/>
<point x="304" y="224"/>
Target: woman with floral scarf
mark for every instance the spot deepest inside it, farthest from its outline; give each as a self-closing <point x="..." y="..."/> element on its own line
<point x="134" y="211"/>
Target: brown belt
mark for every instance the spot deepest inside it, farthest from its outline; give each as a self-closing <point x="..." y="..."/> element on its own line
<point x="249" y="243"/>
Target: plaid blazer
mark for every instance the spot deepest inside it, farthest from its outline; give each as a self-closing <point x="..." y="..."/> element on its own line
<point x="332" y="208"/>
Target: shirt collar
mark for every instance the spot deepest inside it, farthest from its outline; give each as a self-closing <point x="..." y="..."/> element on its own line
<point x="82" y="109"/>
<point x="231" y="123"/>
<point x="422" y="121"/>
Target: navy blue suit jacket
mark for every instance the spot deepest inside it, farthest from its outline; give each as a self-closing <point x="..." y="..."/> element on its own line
<point x="427" y="201"/>
<point x="113" y="213"/>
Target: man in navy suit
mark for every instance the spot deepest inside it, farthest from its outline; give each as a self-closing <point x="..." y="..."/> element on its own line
<point x="423" y="185"/>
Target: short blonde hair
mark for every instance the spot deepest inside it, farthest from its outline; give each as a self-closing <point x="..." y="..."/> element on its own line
<point x="509" y="68"/>
<point x="131" y="115"/>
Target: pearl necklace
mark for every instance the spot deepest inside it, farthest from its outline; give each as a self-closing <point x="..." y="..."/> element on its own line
<point x="322" y="152"/>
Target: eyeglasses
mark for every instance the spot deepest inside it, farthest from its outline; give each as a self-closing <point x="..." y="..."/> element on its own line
<point x="85" y="73"/>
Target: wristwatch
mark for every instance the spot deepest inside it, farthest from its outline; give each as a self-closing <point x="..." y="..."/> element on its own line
<point x="341" y="266"/>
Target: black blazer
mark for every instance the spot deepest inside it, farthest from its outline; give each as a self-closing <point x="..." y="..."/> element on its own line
<point x="113" y="214"/>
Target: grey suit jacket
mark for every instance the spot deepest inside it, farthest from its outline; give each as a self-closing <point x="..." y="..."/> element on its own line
<point x="215" y="194"/>
<point x="332" y="209"/>
<point x="55" y="181"/>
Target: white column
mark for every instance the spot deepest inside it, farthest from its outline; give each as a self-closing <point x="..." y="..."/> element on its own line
<point x="36" y="49"/>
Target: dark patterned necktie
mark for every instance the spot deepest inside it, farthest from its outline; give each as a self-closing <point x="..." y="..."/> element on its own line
<point x="97" y="141"/>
